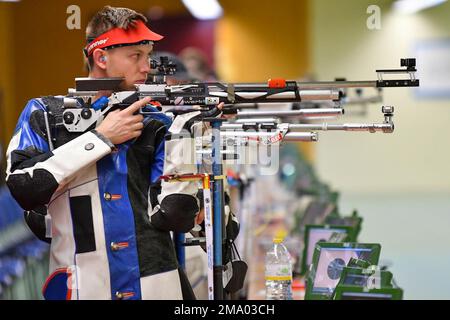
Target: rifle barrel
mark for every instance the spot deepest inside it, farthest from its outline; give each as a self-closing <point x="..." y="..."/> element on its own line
<point x="276" y="136"/>
<point x="303" y="113"/>
<point x="371" y="127"/>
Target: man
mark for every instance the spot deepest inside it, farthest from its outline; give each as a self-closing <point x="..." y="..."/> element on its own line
<point x="197" y="65"/>
<point x="110" y="217"/>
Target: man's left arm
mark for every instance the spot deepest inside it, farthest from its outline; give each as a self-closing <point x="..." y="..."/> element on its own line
<point x="174" y="204"/>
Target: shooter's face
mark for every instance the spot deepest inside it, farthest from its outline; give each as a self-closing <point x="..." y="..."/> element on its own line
<point x="131" y="63"/>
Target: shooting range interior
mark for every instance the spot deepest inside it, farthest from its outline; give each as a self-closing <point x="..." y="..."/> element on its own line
<point x="344" y="176"/>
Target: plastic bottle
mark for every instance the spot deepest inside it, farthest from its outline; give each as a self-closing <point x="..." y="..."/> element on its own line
<point x="278" y="272"/>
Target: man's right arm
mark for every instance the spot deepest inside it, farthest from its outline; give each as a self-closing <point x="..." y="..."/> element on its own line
<point x="34" y="172"/>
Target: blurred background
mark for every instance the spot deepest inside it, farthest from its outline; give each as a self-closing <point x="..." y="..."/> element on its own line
<point x="400" y="182"/>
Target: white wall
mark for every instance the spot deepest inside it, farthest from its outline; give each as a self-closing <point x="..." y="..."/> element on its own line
<point x="400" y="182"/>
<point x="416" y="157"/>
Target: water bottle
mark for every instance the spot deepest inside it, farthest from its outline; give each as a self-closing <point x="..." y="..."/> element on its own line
<point x="278" y="272"/>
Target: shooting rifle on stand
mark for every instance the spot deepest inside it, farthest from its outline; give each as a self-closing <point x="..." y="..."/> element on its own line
<point x="80" y="115"/>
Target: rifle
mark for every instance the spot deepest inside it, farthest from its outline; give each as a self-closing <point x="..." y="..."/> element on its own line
<point x="287" y="129"/>
<point x="205" y="96"/>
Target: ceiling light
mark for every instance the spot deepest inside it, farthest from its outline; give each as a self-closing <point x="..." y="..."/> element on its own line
<point x="204" y="9"/>
<point x="413" y="6"/>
